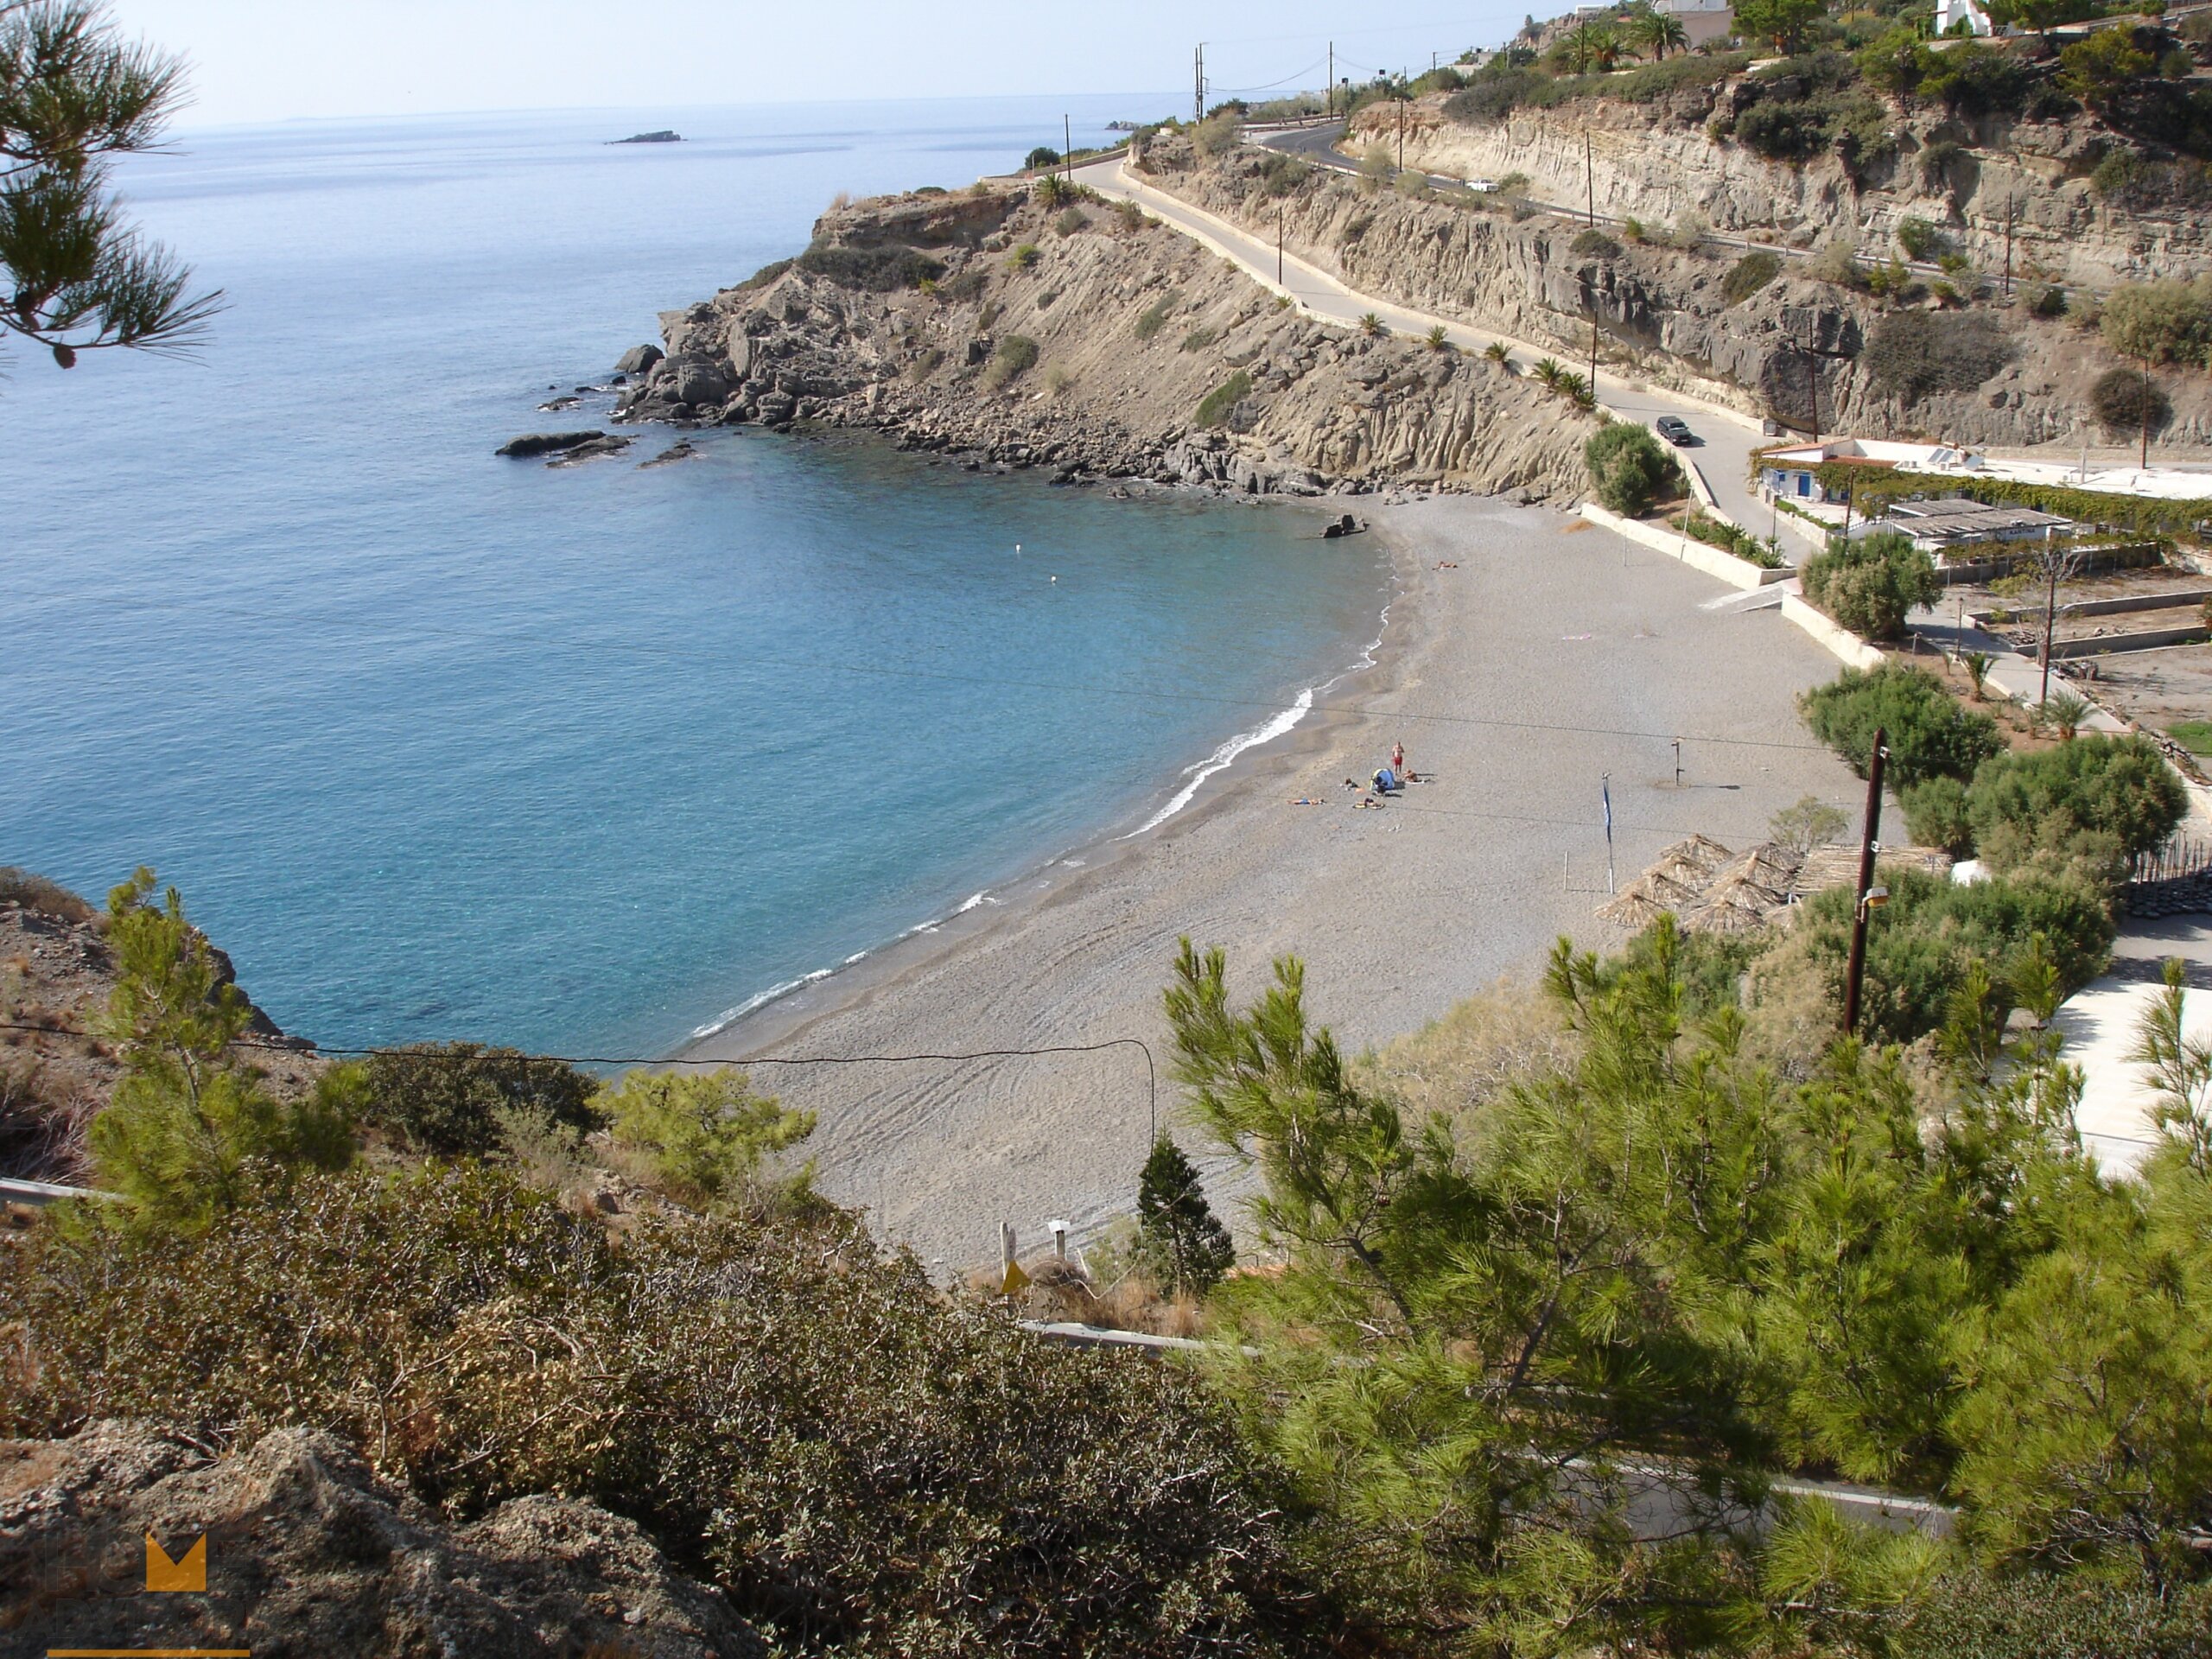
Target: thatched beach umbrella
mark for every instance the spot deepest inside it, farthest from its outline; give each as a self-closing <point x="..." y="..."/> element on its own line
<point x="1644" y="901"/>
<point x="1733" y="904"/>
<point x="1692" y="860"/>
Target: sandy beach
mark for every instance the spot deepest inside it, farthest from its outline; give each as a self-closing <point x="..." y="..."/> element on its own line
<point x="1526" y="655"/>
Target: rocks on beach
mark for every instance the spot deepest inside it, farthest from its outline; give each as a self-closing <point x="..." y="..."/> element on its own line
<point x="565" y="447"/>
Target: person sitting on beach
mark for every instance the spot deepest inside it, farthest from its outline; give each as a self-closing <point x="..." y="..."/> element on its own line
<point x="1385" y="780"/>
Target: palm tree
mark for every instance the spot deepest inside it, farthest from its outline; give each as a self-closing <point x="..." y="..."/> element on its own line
<point x="1547" y="372"/>
<point x="1656" y="32"/>
<point x="1370" y="324"/>
<point x="1498" y="352"/>
<point x="1437" y="338"/>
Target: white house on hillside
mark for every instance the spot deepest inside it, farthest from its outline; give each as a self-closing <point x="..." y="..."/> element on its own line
<point x="1950" y="13"/>
<point x="1701" y="20"/>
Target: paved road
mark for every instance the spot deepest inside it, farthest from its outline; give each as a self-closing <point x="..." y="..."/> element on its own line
<point x="1727" y="439"/>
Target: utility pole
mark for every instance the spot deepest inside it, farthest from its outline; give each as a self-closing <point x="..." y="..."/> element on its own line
<point x="1401" y="134"/>
<point x="1590" y="206"/>
<point x="2011" y="206"/>
<point x="1278" y="281"/>
<point x="1198" y="85"/>
<point x="1813" y="374"/>
<point x="1067" y="147"/>
<point x="1331" y="89"/>
<point x="2050" y="612"/>
<point x="2143" y="460"/>
<point x="1868" y="842"/>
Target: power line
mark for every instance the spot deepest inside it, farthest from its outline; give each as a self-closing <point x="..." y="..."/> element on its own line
<point x="414" y="1052"/>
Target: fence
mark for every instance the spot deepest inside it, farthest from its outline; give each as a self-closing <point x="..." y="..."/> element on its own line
<point x="2177" y="861"/>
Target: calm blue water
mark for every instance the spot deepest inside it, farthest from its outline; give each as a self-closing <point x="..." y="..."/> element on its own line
<point x="442" y="745"/>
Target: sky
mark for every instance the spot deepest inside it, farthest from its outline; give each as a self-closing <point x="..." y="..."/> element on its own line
<point x="263" y="60"/>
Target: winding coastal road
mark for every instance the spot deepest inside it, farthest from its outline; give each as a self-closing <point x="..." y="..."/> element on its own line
<point x="1727" y="439"/>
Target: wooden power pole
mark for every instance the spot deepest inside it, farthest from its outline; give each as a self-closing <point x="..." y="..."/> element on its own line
<point x="1198" y="85"/>
<point x="1869" y="844"/>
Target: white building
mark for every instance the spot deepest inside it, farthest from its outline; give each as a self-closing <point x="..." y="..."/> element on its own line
<point x="1701" y="20"/>
<point x="1951" y="13"/>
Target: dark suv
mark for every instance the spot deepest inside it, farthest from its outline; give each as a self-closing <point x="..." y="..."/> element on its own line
<point x="1674" y="429"/>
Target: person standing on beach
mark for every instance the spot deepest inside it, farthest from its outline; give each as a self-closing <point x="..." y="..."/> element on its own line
<point x="1398" y="758"/>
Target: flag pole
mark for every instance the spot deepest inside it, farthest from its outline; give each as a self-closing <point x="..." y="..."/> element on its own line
<point x="1606" y="794"/>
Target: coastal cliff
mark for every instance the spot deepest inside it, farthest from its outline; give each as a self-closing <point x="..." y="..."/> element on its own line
<point x="1670" y="314"/>
<point x="1027" y="326"/>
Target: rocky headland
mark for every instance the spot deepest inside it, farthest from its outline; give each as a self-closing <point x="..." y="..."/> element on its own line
<point x="1020" y="325"/>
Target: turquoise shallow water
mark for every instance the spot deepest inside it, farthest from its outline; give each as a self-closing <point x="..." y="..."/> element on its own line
<point x="441" y="745"/>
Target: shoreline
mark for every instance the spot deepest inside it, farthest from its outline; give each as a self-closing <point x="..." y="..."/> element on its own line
<point x="1191" y="791"/>
<point x="1525" y="655"/>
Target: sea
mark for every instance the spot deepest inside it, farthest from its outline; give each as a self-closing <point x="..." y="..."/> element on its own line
<point x="586" y="759"/>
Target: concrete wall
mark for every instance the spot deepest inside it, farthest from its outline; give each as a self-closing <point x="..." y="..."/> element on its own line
<point x="1725" y="567"/>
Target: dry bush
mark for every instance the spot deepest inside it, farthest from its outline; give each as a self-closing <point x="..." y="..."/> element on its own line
<point x="1455" y="1065"/>
<point x="860" y="1467"/>
<point x="35" y="893"/>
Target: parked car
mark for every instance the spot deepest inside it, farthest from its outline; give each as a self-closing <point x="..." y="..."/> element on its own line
<point x="1676" y="430"/>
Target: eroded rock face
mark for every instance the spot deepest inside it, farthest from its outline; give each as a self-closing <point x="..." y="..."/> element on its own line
<point x="308" y="1555"/>
<point x="1662" y="315"/>
<point x="1131" y="336"/>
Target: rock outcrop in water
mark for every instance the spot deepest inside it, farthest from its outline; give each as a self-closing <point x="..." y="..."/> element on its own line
<point x="1099" y="344"/>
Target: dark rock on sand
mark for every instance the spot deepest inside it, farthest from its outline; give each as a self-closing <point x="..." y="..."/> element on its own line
<point x="545" y="443"/>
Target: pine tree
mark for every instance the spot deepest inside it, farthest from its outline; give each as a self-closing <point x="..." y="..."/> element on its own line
<point x="1180" y="1231"/>
<point x="73" y="275"/>
<point x="190" y="1124"/>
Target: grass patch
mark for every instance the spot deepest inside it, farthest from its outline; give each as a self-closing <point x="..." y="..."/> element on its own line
<point x="877" y="271"/>
<point x="1201" y="337"/>
<point x="1154" y="316"/>
<point x="1214" y="408"/>
<point x="1015" y="356"/>
<point x="2194" y="735"/>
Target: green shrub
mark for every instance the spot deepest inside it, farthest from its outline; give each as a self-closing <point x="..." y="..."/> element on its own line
<point x="1183" y="1242"/>
<point x="1043" y="156"/>
<point x="2161" y="322"/>
<point x="1282" y="174"/>
<point x="1631" y="468"/>
<point x="1023" y="256"/>
<point x="1921" y="942"/>
<point x="702" y="1136"/>
<point x="1072" y="221"/>
<point x="1869" y="584"/>
<point x="1199" y="337"/>
<point x="447" y="1099"/>
<point x="2127" y="401"/>
<point x="1016" y="355"/>
<point x="1931" y="734"/>
<point x="877" y="271"/>
<point x="1214" y="408"/>
<point x="1749" y="274"/>
<point x="1593" y="244"/>
<point x="1936" y="815"/>
<point x="766" y="275"/>
<point x="2099" y="798"/>
<point x="1918" y="239"/>
<point x="1154" y="316"/>
<point x="1718" y="532"/>
<point x="1912" y="354"/>
<point x="1942" y="164"/>
<point x="2050" y="1616"/>
<point x="863" y="1467"/>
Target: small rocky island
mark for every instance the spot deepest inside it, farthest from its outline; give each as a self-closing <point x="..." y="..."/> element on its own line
<point x="664" y="136"/>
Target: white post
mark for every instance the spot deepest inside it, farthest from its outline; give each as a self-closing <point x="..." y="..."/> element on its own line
<point x="1006" y="1244"/>
<point x="1059" y="1228"/>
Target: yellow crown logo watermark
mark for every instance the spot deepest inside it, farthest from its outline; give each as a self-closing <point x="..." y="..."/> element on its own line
<point x="189" y="1574"/>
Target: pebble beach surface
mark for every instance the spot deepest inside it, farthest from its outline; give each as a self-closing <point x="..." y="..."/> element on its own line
<point x="1526" y="656"/>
